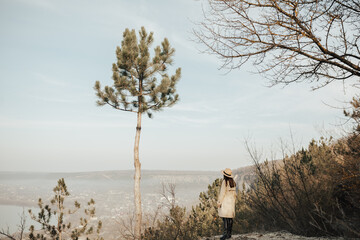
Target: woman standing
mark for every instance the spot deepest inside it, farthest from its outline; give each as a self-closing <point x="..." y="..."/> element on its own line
<point x="226" y="202"/>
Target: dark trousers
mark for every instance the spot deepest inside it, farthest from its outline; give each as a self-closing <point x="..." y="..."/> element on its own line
<point x="228" y="222"/>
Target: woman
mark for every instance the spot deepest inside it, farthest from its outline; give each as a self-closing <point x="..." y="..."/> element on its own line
<point x="226" y="202"/>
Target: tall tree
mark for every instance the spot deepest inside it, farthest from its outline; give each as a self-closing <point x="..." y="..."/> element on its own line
<point x="288" y="40"/>
<point x="137" y="89"/>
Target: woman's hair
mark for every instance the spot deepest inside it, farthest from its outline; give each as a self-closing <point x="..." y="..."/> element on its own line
<point x="229" y="181"/>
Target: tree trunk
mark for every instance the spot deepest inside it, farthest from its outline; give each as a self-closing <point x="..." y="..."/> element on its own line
<point x="137" y="177"/>
<point x="59" y="227"/>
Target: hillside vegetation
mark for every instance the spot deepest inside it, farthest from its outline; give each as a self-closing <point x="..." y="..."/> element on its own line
<point x="314" y="191"/>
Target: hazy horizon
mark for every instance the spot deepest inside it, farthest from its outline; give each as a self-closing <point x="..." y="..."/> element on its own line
<point x="112" y="170"/>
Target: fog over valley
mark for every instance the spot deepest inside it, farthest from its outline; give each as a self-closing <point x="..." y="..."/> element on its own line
<point x="111" y="190"/>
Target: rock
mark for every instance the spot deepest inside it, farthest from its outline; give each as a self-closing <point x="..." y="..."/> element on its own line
<point x="283" y="235"/>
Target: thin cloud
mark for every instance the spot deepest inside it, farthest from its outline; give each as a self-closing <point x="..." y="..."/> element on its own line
<point x="270" y="125"/>
<point x="193" y="121"/>
<point x="199" y="107"/>
<point x="21" y="123"/>
<point x="50" y="80"/>
<point x="54" y="100"/>
<point x="39" y="3"/>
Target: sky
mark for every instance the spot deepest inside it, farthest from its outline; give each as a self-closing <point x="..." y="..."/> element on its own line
<point x="52" y="52"/>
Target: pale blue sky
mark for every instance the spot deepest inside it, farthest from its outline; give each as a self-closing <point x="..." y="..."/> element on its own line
<point x="52" y="52"/>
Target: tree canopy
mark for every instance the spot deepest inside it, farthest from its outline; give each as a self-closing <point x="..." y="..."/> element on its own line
<point x="136" y="85"/>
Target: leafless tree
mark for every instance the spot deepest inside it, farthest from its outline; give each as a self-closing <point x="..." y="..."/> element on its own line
<point x="21" y="228"/>
<point x="169" y="194"/>
<point x="126" y="226"/>
<point x="7" y="234"/>
<point x="316" y="41"/>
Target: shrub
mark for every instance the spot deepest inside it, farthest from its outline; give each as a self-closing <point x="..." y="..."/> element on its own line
<point x="312" y="192"/>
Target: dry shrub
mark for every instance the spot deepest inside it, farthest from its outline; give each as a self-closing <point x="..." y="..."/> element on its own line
<point x="312" y="192"/>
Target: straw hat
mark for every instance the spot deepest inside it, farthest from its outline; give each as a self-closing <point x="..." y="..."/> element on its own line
<point x="227" y="172"/>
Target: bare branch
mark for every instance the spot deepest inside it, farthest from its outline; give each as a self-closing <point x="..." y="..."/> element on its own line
<point x="314" y="41"/>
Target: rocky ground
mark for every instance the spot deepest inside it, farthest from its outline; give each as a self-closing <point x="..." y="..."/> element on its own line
<point x="272" y="236"/>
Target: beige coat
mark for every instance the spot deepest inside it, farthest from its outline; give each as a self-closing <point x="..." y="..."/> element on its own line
<point x="226" y="201"/>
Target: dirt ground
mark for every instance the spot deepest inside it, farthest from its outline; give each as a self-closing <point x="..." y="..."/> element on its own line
<point x="272" y="236"/>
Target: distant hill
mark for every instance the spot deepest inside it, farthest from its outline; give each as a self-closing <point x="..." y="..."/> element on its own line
<point x="119" y="174"/>
<point x="247" y="175"/>
<point x="116" y="174"/>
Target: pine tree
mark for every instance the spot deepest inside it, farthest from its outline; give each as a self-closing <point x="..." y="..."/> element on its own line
<point x="58" y="209"/>
<point x="204" y="218"/>
<point x="137" y="89"/>
<point x="354" y="113"/>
